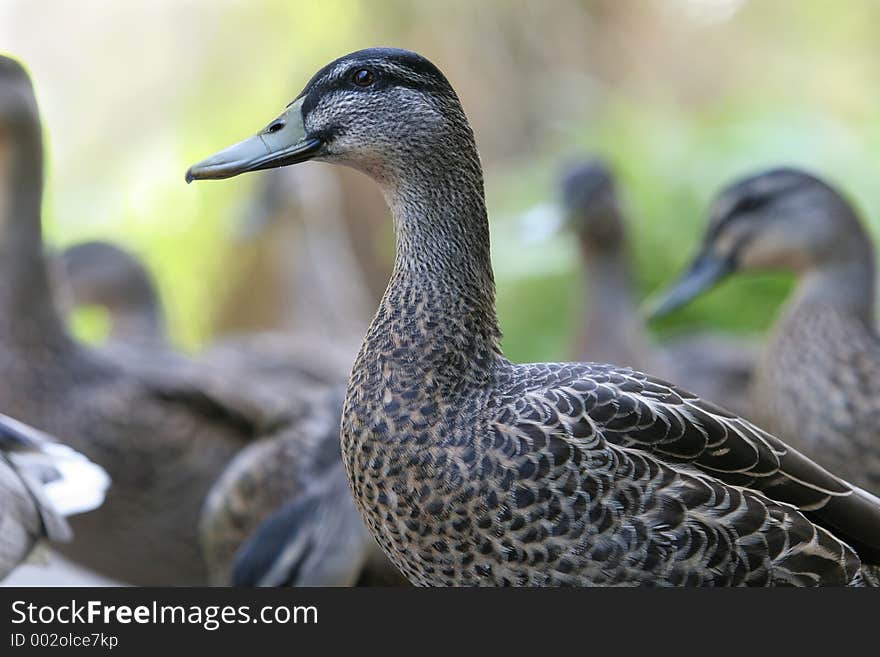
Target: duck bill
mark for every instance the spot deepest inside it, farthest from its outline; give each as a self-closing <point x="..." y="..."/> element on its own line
<point x="285" y="141"/>
<point x="706" y="271"/>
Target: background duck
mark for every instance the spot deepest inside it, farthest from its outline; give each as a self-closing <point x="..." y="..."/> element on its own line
<point x="290" y="483"/>
<point x="282" y="513"/>
<point x="318" y="540"/>
<point x="99" y="273"/>
<point x="162" y="426"/>
<point x="103" y="275"/>
<point x="295" y="222"/>
<point x="316" y="315"/>
<point x="470" y="469"/>
<point x="818" y="380"/>
<point x="613" y="331"/>
<point x="41" y="483"/>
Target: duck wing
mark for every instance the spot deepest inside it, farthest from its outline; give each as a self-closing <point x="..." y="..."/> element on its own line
<point x="270" y="474"/>
<point x="637" y="411"/>
<point x="316" y="540"/>
<point x="250" y="405"/>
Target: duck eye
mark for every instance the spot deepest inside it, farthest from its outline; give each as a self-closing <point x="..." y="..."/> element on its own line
<point x="363" y="77"/>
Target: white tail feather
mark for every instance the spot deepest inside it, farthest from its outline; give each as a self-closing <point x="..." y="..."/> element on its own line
<point x="81" y="486"/>
<point x="68" y="482"/>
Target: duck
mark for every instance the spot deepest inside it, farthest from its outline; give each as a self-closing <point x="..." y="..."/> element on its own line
<point x="472" y="470"/>
<point x="41" y="483"/>
<point x="282" y="513"/>
<point x="613" y="330"/>
<point x="103" y="274"/>
<point x="817" y="383"/>
<point x="285" y="551"/>
<point x="277" y="488"/>
<point x="281" y="359"/>
<point x="162" y="425"/>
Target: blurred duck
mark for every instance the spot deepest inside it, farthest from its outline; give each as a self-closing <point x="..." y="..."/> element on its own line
<point x="317" y="540"/>
<point x="818" y="381"/>
<point x="613" y="331"/>
<point x="163" y="427"/>
<point x="285" y="496"/>
<point x="300" y="213"/>
<point x="282" y="360"/>
<point x="41" y="483"/>
<point x="287" y="500"/>
<point x="472" y="470"/>
<point x="282" y="513"/>
<point x="102" y="274"/>
<point x="315" y="316"/>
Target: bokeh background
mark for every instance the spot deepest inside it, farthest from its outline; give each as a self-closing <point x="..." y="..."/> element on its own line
<point x="680" y="95"/>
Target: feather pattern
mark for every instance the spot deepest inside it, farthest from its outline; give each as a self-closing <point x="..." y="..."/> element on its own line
<point x="817" y="383"/>
<point x="588" y="474"/>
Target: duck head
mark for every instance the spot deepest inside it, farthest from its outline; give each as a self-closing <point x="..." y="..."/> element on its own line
<point x="18" y="106"/>
<point x="20" y="138"/>
<point x="374" y="110"/>
<point x="101" y="273"/>
<point x="777" y="220"/>
<point x="591" y="205"/>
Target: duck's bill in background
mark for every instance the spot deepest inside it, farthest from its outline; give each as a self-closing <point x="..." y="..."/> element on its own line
<point x="284" y="141"/>
<point x="706" y="271"/>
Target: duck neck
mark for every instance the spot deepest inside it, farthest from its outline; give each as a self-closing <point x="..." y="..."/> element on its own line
<point x="848" y="288"/>
<point x="844" y="282"/>
<point x="439" y="307"/>
<point x="28" y="318"/>
<point x="612" y="330"/>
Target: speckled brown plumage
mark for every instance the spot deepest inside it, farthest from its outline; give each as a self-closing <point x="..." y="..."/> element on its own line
<point x="712" y="365"/>
<point x="471" y="470"/>
<point x="570" y="474"/>
<point x="818" y="380"/>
